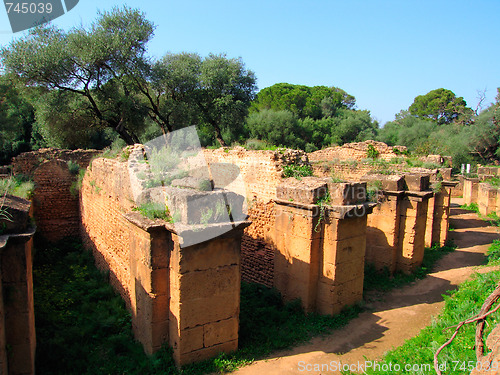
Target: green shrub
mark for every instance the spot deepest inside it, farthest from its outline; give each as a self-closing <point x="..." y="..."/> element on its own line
<point x="153" y="211"/>
<point x="297" y="171"/>
<point x="17" y="185"/>
<point x="494" y="253"/>
<point x="73" y="167"/>
<point x="372" y="152"/>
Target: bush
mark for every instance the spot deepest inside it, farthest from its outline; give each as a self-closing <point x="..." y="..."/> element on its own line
<point x="297" y="171"/>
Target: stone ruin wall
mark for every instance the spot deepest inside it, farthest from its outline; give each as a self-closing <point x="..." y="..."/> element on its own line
<point x="356" y="151"/>
<point x="55" y="199"/>
<point x="261" y="172"/>
<point x="105" y="193"/>
<point x="187" y="297"/>
<point x="27" y="162"/>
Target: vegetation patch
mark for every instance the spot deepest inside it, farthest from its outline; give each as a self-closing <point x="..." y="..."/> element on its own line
<point x="18" y="185"/>
<point x="153" y="211"/>
<point x="459" y="305"/>
<point x="383" y="281"/>
<point x="297" y="171"/>
<point x="83" y="327"/>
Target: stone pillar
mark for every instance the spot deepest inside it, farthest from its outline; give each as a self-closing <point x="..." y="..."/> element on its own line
<point x="382" y="232"/>
<point x="431" y="207"/>
<point x="204" y="296"/>
<point x="298" y="240"/>
<point x="342" y="260"/>
<point x="16" y="247"/>
<point x="320" y="246"/>
<point x="487" y="199"/>
<point x="441" y="214"/>
<point x="3" y="343"/>
<point x="150" y="246"/>
<point x="470" y="190"/>
<point x="413" y="223"/>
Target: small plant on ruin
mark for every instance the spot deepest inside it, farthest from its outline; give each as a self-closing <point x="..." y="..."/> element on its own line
<point x="206" y="215"/>
<point x="153" y="210"/>
<point x="18" y="185"/>
<point x="73" y="167"/>
<point x="372" y="152"/>
<point x="322" y="203"/>
<point x="297" y="171"/>
<point x="373" y="189"/>
<point x="437" y="187"/>
<point x="205" y="185"/>
<point x="77" y="185"/>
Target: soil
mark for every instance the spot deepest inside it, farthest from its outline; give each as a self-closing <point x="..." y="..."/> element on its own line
<point x="391" y="318"/>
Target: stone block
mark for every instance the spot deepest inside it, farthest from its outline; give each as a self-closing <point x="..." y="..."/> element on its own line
<point x="417" y="182"/>
<point x="205" y="353"/>
<point x="209" y="283"/>
<point x="220" y="332"/>
<point x="388" y="182"/>
<point x="346" y="193"/>
<point x="208" y="255"/>
<point x="307" y="191"/>
<point x="204" y="310"/>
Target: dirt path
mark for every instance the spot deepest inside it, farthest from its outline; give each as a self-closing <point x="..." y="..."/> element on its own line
<point x="396" y="316"/>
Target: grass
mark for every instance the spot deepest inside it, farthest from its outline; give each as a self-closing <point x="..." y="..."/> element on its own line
<point x="83" y="326"/>
<point x="297" y="171"/>
<point x="17" y="185"/>
<point x="383" y="281"/>
<point x="459" y="305"/>
<point x="153" y="211"/>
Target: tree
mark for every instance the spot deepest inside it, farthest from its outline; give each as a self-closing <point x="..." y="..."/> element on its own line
<point x="87" y="72"/>
<point x="442" y="106"/>
<point x="304" y="101"/>
<point x="16" y="120"/>
<point x="226" y="89"/>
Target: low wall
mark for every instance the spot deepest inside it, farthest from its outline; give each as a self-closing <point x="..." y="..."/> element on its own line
<point x="17" y="312"/>
<point x="27" y="162"/>
<point x="487" y="197"/>
<point x="356" y="151"/>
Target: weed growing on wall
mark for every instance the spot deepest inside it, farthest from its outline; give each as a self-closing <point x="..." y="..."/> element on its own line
<point x="297" y="171"/>
<point x="153" y="210"/>
<point x="372" y="152"/>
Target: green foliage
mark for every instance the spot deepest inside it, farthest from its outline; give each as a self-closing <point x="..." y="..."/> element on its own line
<point x="16" y="120"/>
<point x="471" y="207"/>
<point x="297" y="171"/>
<point x="17" y="185"/>
<point x="372" y="152"/>
<point x="373" y="189"/>
<point x="73" y="167"/>
<point x="442" y="106"/>
<point x="83" y="326"/>
<point x="153" y="211"/>
<point x="87" y="75"/>
<point x="303" y="101"/>
<point x="383" y="281"/>
<point x="459" y="305"/>
<point x="494" y="253"/>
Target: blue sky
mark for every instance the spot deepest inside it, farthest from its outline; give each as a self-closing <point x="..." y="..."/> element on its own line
<point x="383" y="52"/>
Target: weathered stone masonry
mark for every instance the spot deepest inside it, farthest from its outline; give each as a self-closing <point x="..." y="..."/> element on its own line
<point x="187" y="297"/>
<point x="17" y="315"/>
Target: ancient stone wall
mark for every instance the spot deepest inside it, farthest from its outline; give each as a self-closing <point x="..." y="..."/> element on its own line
<point x="186" y="296"/>
<point x="17" y="313"/>
<point x="261" y="172"/>
<point x="105" y="197"/>
<point x="356" y="151"/>
<point x="55" y="203"/>
<point x="320" y="249"/>
<point x="487" y="199"/>
<point x="27" y="162"/>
